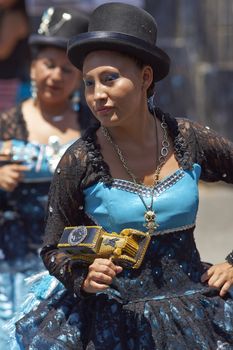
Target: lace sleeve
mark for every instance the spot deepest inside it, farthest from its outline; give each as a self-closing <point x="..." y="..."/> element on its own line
<point x="12" y="125"/>
<point x="214" y="153"/>
<point x="65" y="208"/>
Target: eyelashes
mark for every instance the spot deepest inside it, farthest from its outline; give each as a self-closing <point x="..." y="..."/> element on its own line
<point x="112" y="76"/>
<point x="51" y="65"/>
<point x="88" y="83"/>
<point x="104" y="79"/>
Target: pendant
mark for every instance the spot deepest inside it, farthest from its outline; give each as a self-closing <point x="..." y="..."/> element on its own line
<point x="150" y="223"/>
<point x="57" y="118"/>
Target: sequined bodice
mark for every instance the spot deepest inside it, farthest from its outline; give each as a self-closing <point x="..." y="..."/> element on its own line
<point x="41" y="159"/>
<point x="119" y="206"/>
<point x="22" y="211"/>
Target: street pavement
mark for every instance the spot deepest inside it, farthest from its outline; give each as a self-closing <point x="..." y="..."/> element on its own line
<point x="214" y="230"/>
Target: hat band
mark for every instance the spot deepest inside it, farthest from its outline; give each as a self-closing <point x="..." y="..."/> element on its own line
<point x="37" y="39"/>
<point x="80" y="46"/>
<point x="102" y="36"/>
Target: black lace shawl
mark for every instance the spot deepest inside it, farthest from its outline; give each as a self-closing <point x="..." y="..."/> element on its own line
<point x="13" y="125"/>
<point x="82" y="165"/>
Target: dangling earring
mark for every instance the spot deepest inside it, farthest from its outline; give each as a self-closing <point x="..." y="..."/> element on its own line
<point x="75" y="100"/>
<point x="33" y="89"/>
<point x="151" y="101"/>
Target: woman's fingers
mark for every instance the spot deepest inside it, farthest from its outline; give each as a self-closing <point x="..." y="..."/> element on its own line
<point x="11" y="175"/>
<point x="207" y="275"/>
<point x="219" y="276"/>
<point x="225" y="288"/>
<point x="106" y="266"/>
<point x="19" y="167"/>
<point x="100" y="276"/>
<point x="118" y="269"/>
<point x="95" y="287"/>
<point x="107" y="262"/>
<point x="216" y="281"/>
<point x="10" y="185"/>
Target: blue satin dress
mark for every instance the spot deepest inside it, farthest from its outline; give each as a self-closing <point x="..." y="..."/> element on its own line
<point x="162" y="305"/>
<point x="22" y="223"/>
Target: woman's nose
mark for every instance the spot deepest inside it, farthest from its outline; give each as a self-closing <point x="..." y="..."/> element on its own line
<point x="57" y="73"/>
<point x="100" y="91"/>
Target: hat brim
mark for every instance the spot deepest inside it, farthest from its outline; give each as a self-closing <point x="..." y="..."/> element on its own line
<point x="40" y="40"/>
<point x="82" y="44"/>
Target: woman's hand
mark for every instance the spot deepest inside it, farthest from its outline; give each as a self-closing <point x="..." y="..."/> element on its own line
<point x="100" y="275"/>
<point x="11" y="175"/>
<point x="219" y="276"/>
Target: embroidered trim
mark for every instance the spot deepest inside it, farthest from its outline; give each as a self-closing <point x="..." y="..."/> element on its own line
<point x="187" y="293"/>
<point x="37" y="180"/>
<point x="172" y="230"/>
<point x="146" y="190"/>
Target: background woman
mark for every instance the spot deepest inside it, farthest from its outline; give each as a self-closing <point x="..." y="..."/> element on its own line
<point x="139" y="170"/>
<point x="33" y="137"/>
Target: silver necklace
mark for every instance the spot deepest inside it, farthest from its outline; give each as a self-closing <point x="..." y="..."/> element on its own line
<point x="149" y="215"/>
<point x="57" y="118"/>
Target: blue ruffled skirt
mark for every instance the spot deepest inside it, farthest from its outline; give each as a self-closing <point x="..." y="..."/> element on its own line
<point x="14" y="289"/>
<point x="161" y="306"/>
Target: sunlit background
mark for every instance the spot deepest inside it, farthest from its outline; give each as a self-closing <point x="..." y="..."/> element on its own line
<point x="198" y="36"/>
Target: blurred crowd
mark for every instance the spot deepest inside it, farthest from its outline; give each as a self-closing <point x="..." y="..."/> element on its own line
<point x="15" y="83"/>
<point x="41" y="115"/>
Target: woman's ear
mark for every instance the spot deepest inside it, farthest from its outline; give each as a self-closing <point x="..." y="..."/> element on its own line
<point x="147" y="77"/>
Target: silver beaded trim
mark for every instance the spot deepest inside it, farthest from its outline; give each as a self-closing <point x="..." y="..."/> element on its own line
<point x="146" y="191"/>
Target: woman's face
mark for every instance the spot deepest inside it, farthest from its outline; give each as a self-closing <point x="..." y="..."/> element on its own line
<point x="55" y="77"/>
<point x="113" y="86"/>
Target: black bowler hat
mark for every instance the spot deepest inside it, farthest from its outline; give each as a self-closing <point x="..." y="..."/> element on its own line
<point x="57" y="26"/>
<point x="124" y="28"/>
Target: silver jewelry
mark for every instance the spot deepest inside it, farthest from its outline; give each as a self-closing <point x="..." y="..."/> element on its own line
<point x="75" y="101"/>
<point x="57" y="118"/>
<point x="149" y="215"/>
<point x="46" y="19"/>
<point x="33" y="89"/>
